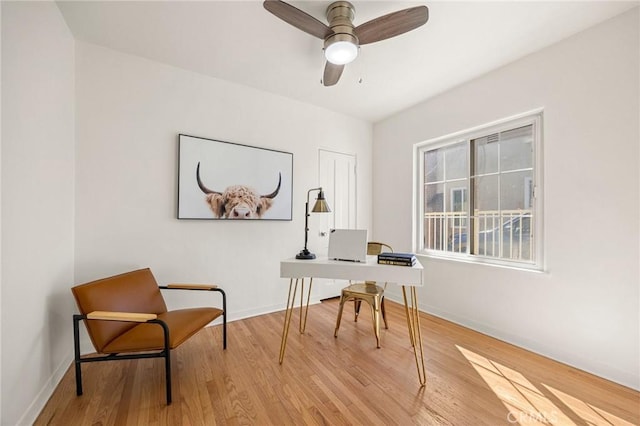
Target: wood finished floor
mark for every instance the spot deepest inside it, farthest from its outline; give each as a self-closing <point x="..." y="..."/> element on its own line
<point x="472" y="379"/>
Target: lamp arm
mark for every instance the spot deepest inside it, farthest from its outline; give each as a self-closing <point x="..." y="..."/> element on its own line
<point x="309" y="193"/>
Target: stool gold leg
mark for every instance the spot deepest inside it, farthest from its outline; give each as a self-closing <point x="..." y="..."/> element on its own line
<point x="287" y="317"/>
<point x="384" y="313"/>
<point x="375" y="308"/>
<point x="340" y="309"/>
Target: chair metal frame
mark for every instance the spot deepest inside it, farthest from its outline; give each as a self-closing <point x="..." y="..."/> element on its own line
<point x="368" y="291"/>
<point x="164" y="353"/>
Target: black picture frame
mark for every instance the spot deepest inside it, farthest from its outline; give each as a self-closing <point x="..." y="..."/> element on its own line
<point x="220" y="180"/>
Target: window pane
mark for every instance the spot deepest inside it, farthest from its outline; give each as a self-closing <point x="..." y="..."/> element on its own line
<point x="435" y="231"/>
<point x="487" y="193"/>
<point x="434" y="166"/>
<point x="434" y="198"/>
<point x="516" y="149"/>
<point x="456" y="161"/>
<point x="486" y="151"/>
<point x="517" y="237"/>
<point x="515" y="190"/>
<point x="487" y="233"/>
<point x="458" y="196"/>
<point x="456" y="216"/>
<point x="446" y="198"/>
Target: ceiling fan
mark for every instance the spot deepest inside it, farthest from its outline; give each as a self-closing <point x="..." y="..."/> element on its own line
<point x="341" y="39"/>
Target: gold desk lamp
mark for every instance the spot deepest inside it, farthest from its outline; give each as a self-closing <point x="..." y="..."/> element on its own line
<point x="320" y="206"/>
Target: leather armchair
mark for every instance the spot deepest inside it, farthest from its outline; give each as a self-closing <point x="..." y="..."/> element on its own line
<point x="126" y="318"/>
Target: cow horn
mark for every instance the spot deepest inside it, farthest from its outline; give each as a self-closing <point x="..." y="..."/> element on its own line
<point x="274" y="193"/>
<point x="201" y="185"/>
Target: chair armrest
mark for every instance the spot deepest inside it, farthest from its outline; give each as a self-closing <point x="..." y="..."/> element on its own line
<point x="121" y="316"/>
<point x="205" y="287"/>
<point x="189" y="286"/>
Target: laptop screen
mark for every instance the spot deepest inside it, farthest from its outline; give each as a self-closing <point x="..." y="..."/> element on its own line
<point x="348" y="244"/>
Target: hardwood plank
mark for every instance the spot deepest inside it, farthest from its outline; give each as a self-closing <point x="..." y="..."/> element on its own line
<point x="472" y="379"/>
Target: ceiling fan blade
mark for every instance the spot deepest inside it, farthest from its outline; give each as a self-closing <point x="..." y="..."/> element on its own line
<point x="298" y="18"/>
<point x="392" y="24"/>
<point x="332" y="73"/>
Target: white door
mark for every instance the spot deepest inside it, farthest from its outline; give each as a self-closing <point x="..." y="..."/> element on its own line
<point x="337" y="176"/>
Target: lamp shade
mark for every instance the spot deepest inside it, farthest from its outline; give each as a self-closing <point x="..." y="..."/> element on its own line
<point x="321" y="205"/>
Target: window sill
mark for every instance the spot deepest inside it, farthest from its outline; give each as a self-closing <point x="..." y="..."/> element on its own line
<point x="483" y="262"/>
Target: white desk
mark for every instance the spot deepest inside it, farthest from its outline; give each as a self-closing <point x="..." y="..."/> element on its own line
<point x="297" y="270"/>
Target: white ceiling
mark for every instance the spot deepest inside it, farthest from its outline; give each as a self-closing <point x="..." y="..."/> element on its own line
<point x="240" y="41"/>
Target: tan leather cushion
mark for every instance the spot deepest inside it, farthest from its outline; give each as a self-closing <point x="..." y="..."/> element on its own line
<point x="135" y="291"/>
<point x="183" y="323"/>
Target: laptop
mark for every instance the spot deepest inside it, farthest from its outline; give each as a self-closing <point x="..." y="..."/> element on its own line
<point x="348" y="244"/>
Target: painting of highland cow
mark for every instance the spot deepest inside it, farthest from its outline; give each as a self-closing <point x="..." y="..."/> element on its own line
<point x="223" y="180"/>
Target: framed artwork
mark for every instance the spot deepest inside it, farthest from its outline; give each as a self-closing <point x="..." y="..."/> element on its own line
<point x="223" y="180"/>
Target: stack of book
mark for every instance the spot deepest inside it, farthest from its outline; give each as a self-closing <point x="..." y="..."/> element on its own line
<point x="401" y="259"/>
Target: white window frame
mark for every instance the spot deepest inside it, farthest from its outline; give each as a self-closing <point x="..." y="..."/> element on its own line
<point x="534" y="117"/>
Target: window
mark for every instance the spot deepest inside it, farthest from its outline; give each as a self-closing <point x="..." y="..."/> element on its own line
<point x="478" y="194"/>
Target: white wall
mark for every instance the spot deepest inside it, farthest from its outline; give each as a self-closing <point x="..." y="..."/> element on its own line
<point x="584" y="309"/>
<point x="37" y="205"/>
<point x="120" y="210"/>
<point x="0" y="219"/>
<point x="129" y="113"/>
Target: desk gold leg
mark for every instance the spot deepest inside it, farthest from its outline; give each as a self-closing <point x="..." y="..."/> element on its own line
<point x="406" y="311"/>
<point x="415" y="333"/>
<point x="287" y="317"/>
<point x="301" y="298"/>
<point x="303" y="322"/>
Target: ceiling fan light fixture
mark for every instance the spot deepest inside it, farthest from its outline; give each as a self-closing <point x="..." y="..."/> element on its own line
<point x="342" y="40"/>
<point x="341" y="49"/>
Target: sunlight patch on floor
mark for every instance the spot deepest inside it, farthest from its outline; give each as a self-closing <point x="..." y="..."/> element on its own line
<point x="527" y="405"/>
<point x="590" y="414"/>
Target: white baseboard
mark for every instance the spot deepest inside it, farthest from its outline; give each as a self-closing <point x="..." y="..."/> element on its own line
<point x="249" y="313"/>
<point x="32" y="413"/>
